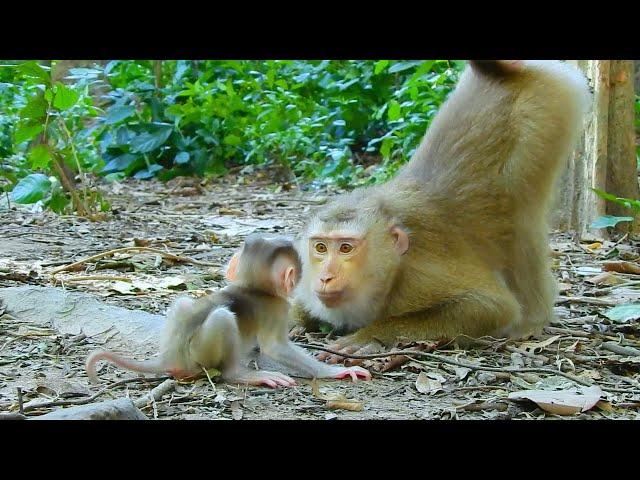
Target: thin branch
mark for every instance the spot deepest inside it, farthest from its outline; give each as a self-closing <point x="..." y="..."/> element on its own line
<point x="168" y="255"/>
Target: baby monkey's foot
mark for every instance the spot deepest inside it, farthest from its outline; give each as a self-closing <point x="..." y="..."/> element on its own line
<point x="262" y="377"/>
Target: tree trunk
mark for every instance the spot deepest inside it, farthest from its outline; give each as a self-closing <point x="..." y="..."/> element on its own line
<point x="622" y="176"/>
<point x="605" y="156"/>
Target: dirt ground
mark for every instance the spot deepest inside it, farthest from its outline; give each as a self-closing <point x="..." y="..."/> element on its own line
<point x="41" y="369"/>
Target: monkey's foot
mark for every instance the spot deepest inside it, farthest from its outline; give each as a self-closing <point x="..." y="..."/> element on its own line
<point x="350" y="344"/>
<point x="261" y="377"/>
<point x="354" y="373"/>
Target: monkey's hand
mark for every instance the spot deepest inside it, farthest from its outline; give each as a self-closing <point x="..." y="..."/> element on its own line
<point x="351" y="344"/>
<point x="354" y="373"/>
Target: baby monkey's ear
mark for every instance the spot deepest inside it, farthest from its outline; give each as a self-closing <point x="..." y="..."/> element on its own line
<point x="232" y="267"/>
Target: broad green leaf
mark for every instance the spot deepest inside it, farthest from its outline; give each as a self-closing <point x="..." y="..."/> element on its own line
<point x="26" y="132"/>
<point x="35" y="109"/>
<point x="65" y="97"/>
<point x="148" y="173"/>
<point x="31" y="188"/>
<point x="119" y="163"/>
<point x="149" y="141"/>
<point x="609" y="221"/>
<point x="48" y="95"/>
<point x="385" y="149"/>
<point x="119" y="113"/>
<point x="181" y="158"/>
<point x="33" y="70"/>
<point x="394" y="111"/>
<point x="380" y="66"/>
<point x="624" y="313"/>
<point x="39" y="157"/>
<point x="402" y="66"/>
<point x="232" y="140"/>
<point x="58" y="202"/>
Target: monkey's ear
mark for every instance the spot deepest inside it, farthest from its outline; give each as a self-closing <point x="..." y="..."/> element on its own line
<point x="288" y="278"/>
<point x="400" y="239"/>
<point x="232" y="268"/>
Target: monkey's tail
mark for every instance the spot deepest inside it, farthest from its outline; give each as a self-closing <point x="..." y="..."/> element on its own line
<point x="497" y="68"/>
<point x="152" y="365"/>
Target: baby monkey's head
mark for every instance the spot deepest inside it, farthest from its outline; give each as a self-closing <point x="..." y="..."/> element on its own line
<point x="266" y="262"/>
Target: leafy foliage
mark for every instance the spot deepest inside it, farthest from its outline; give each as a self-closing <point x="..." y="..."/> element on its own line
<point x="348" y="122"/>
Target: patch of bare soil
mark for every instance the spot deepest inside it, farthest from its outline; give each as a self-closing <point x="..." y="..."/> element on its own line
<point x="585" y="365"/>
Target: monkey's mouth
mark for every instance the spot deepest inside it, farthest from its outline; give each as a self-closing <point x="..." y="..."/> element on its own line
<point x="331" y="299"/>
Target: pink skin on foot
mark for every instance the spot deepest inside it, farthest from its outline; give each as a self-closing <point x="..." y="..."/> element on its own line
<point x="270" y="379"/>
<point x="354" y="373"/>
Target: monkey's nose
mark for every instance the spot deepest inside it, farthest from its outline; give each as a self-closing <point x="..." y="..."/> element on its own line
<point x="326" y="278"/>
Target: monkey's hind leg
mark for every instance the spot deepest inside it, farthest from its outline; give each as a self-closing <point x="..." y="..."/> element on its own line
<point x="219" y="345"/>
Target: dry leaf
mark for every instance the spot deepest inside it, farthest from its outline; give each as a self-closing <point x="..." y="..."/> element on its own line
<point x="572" y="347"/>
<point x="462" y="372"/>
<point x="621" y="267"/>
<point x="564" y="287"/>
<point x="351" y="406"/>
<point x="426" y="385"/>
<point x="125" y="288"/>
<point x="605" y="278"/>
<point x="593" y="246"/>
<point x="536" y="347"/>
<point x="604" y="405"/>
<point x="564" y="402"/>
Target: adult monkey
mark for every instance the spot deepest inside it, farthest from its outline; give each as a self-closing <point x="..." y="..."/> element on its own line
<point x="455" y="244"/>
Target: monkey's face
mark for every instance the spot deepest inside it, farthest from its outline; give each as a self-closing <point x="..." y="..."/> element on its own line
<point x="335" y="262"/>
<point x="345" y="266"/>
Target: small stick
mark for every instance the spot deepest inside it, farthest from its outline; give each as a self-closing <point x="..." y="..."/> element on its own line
<point x="88" y="278"/>
<point x="586" y="300"/>
<point x="20" y="402"/>
<point x="57" y="403"/>
<point x="156" y="394"/>
<point x="171" y="256"/>
<point x="441" y="359"/>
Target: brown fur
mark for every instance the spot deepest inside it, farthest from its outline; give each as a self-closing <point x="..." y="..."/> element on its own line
<point x="474" y="200"/>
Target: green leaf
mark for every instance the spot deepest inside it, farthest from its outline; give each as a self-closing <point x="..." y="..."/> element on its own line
<point x="182" y="157"/>
<point x="35" y="109"/>
<point x="48" y="95"/>
<point x="65" y="97"/>
<point x="31" y="188"/>
<point x="609" y="221"/>
<point x="58" y="202"/>
<point x="39" y="157"/>
<point x="119" y="113"/>
<point x="119" y="163"/>
<point x="394" y="111"/>
<point x="624" y="313"/>
<point x="149" y="141"/>
<point x="402" y="66"/>
<point x="148" y="173"/>
<point x="232" y="140"/>
<point x="33" y="70"/>
<point x="385" y="149"/>
<point x="380" y="66"/>
<point x="27" y="132"/>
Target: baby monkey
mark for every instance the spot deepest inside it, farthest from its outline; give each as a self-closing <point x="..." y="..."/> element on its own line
<point x="220" y="329"/>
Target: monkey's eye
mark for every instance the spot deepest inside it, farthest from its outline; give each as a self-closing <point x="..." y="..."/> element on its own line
<point x="346" y="248"/>
<point x="320" y="247"/>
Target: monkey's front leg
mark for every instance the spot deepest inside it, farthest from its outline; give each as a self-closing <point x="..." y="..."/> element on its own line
<point x="476" y="314"/>
<point x="294" y="357"/>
